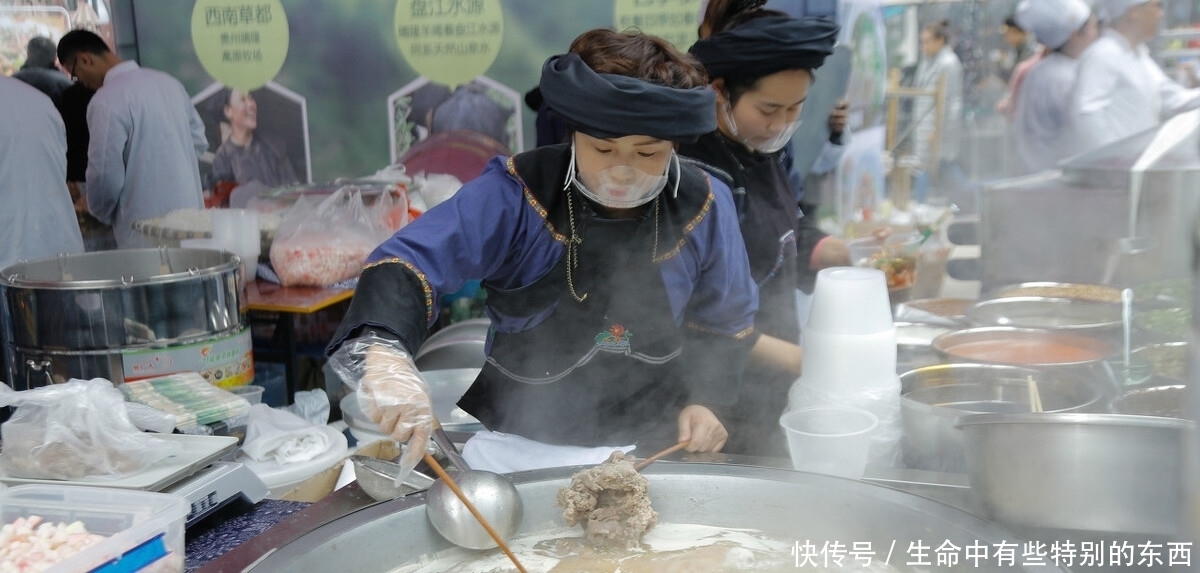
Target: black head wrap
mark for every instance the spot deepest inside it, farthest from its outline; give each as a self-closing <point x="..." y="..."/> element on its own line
<point x="763" y="46"/>
<point x="610" y="105"/>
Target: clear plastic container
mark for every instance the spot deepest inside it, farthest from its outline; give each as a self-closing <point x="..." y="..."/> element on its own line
<point x="144" y="529"/>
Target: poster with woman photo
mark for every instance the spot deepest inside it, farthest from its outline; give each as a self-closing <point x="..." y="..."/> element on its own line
<point x="256" y="138"/>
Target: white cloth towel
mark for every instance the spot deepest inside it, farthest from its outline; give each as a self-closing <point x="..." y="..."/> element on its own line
<point x="507" y="453"/>
<point x="282" y="436"/>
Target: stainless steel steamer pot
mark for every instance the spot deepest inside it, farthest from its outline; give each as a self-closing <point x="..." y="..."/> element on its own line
<point x="77" y="314"/>
<point x="786" y="504"/>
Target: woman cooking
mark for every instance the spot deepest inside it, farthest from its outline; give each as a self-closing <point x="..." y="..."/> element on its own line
<point x="760" y="63"/>
<point x="617" y="283"/>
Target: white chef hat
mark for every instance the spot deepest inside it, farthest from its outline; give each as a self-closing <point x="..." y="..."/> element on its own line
<point x="1053" y="21"/>
<point x="1112" y="10"/>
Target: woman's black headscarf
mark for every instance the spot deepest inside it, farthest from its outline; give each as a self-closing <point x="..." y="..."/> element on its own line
<point x="763" y="46"/>
<point x="609" y="105"/>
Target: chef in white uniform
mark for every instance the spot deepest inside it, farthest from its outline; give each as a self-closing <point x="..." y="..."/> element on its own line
<point x="1066" y="28"/>
<point x="1120" y="90"/>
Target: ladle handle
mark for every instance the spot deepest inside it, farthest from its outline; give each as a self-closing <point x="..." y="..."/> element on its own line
<point x="662" y="454"/>
<point x="445" y="477"/>
<point x="447" y="446"/>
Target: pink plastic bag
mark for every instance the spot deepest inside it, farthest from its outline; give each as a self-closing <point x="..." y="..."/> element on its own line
<point x="320" y="243"/>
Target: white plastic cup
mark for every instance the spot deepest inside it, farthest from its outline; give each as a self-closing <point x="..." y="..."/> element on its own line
<point x="850" y="300"/>
<point x="832" y="440"/>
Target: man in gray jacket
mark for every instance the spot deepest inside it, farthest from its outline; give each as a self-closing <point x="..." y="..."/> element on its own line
<point x="146" y="138"/>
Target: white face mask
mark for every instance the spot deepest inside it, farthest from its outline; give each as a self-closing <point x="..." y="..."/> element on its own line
<point x="772" y="145"/>
<point x="621" y="186"/>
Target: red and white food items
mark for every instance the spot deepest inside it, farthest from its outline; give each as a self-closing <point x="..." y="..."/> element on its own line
<point x="31" y="544"/>
<point x="314" y="260"/>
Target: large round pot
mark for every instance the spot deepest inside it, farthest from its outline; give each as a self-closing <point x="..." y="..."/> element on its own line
<point x="94" y="314"/>
<point x="794" y="506"/>
<point x="1081" y="472"/>
<point x="932" y="398"/>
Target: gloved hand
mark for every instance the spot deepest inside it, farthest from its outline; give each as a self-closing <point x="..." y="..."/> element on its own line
<point x="394" y="396"/>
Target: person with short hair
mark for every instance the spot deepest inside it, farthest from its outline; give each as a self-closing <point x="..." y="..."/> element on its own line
<point x="39" y="70"/>
<point x="617" y="283"/>
<point x="1066" y="28"/>
<point x="1120" y="90"/>
<point x="146" y="138"/>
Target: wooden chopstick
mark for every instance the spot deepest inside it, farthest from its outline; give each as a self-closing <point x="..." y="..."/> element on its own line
<point x="1035" y="397"/>
<point x="441" y="473"/>
<point x="661" y="454"/>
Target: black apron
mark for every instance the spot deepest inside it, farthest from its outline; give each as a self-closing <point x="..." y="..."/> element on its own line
<point x="768" y="215"/>
<point x="601" y="371"/>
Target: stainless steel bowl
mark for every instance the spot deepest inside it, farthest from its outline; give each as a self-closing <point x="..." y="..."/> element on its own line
<point x="1082" y="472"/>
<point x="1081" y="316"/>
<point x="460" y="345"/>
<point x="932" y="398"/>
<point x="1022" y="347"/>
<point x="1163" y="401"/>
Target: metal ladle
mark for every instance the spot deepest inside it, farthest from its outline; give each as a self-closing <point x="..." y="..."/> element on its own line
<point x="494" y="497"/>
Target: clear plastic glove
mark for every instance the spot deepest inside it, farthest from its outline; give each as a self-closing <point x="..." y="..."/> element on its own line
<point x="391" y="393"/>
<point x="394" y="396"/>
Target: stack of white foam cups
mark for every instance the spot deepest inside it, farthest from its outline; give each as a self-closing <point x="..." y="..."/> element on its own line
<point x="850" y="354"/>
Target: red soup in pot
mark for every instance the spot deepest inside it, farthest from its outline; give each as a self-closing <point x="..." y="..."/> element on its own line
<point x="1026" y="352"/>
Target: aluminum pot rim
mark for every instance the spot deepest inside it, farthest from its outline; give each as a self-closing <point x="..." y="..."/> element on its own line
<point x="11" y="278"/>
<point x="1076" y="418"/>
<point x="972" y="312"/>
<point x="999" y="292"/>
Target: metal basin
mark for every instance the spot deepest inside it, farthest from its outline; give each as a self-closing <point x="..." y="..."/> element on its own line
<point x="1081" y="472"/>
<point x="787" y="504"/>
<point x="932" y="398"/>
<point x="1082" y="316"/>
<point x="1022" y="347"/>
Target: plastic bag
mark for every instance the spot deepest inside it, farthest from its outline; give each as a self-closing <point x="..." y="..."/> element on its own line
<point x="320" y="243"/>
<point x="68" y="431"/>
<point x="311" y="405"/>
<point x="275" y="434"/>
<point x="391" y="209"/>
